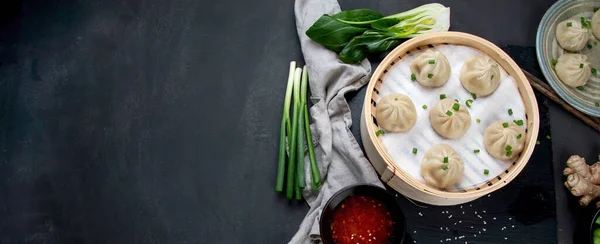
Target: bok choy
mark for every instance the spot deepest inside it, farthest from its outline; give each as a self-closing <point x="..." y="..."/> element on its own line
<point x="354" y="34"/>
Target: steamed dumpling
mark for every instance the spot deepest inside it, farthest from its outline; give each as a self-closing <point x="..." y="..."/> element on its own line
<point x="498" y="138"/>
<point x="431" y="68"/>
<point x="596" y="24"/>
<point x="480" y="75"/>
<point x="573" y="69"/>
<point x="571" y="35"/>
<point x="396" y="113"/>
<point x="439" y="172"/>
<point x="449" y="122"/>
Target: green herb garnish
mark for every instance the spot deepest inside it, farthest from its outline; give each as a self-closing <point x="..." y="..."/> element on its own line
<point x="476" y="151"/>
<point x="537" y="142"/>
<point x="486" y="172"/>
<point x="445" y="167"/>
<point x="518" y="122"/>
<point x="478" y="120"/>
<point x="510" y="112"/>
<point x="442" y="96"/>
<point x="581" y="66"/>
<point x="449" y="113"/>
<point x="508" y="153"/>
<point x="589" y="46"/>
<point x="580" y="88"/>
<point x="492" y="77"/>
<point x="414" y="151"/>
<point x="548" y="137"/>
<point x="596" y="9"/>
<point x="469" y="102"/>
<point x="519" y="136"/>
<point x="413" y="77"/>
<point x="445" y="160"/>
<point x="505" y="124"/>
<point x="569" y="24"/>
<point x="424" y="106"/>
<point x="594" y="71"/>
<point x="429" y="76"/>
<point x="474" y="96"/>
<point x="456" y="107"/>
<point x="379" y="132"/>
<point x="508" y="148"/>
<point x="432" y="61"/>
<point x="597" y="104"/>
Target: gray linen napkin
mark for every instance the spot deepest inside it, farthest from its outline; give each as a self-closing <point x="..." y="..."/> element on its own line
<point x="339" y="156"/>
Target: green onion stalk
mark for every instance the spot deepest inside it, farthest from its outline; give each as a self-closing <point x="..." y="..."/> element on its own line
<point x="291" y="174"/>
<point x="285" y="130"/>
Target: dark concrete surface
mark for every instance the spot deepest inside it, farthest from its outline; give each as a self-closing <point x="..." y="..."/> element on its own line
<point x="157" y="121"/>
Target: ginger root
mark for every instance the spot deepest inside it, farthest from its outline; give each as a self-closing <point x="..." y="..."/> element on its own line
<point x="583" y="180"/>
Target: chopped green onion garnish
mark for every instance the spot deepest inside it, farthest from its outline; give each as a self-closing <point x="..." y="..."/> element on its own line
<point x="595" y="43"/>
<point x="581" y="66"/>
<point x="430" y="76"/>
<point x="456" y="107"/>
<point x="589" y="24"/>
<point x="432" y="61"/>
<point x="486" y="172"/>
<point x="508" y="148"/>
<point x="469" y="102"/>
<point x="442" y="96"/>
<point x="424" y="106"/>
<point x="445" y="159"/>
<point x="537" y="142"/>
<point x="474" y="96"/>
<point x="449" y="113"/>
<point x="445" y="167"/>
<point x="414" y="150"/>
<point x="510" y="112"/>
<point x="518" y="122"/>
<point x="583" y="23"/>
<point x="505" y="124"/>
<point x="519" y="136"/>
<point x="508" y="153"/>
<point x="580" y="88"/>
<point x="478" y="120"/>
<point x="569" y="24"/>
<point x="554" y="61"/>
<point x="413" y="77"/>
<point x="596" y="9"/>
<point x="492" y="77"/>
<point x="456" y="100"/>
<point x="476" y="151"/>
<point x="395" y="99"/>
<point x="594" y="71"/>
<point x="597" y="104"/>
<point x="379" y="132"/>
<point x="589" y="46"/>
<point x="548" y="137"/>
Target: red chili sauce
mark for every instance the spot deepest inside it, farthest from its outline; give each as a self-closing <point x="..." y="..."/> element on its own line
<point x="361" y="219"/>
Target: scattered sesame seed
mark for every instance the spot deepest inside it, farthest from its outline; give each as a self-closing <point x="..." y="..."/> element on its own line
<point x="413" y="232"/>
<point x="450" y="216"/>
<point x="509" y="218"/>
<point x="505" y="238"/>
<point x="463" y="212"/>
<point x="513" y="226"/>
<point x="420" y="214"/>
<point x="484" y="210"/>
<point x="460" y="221"/>
<point x="494" y="218"/>
<point x="485" y="223"/>
<point x="484" y="229"/>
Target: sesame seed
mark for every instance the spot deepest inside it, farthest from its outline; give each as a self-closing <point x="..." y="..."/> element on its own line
<point x="494" y="218"/>
<point x="450" y="216"/>
<point x="513" y="226"/>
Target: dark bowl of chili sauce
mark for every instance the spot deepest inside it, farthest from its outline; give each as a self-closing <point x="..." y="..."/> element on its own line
<point x="362" y="214"/>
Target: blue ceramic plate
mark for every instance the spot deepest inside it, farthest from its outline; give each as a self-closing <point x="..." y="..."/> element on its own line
<point x="548" y="49"/>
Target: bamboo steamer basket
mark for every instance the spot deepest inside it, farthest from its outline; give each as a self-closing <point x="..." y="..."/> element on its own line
<point x="399" y="180"/>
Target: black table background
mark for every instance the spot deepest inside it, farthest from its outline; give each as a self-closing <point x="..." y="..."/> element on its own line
<point x="157" y="122"/>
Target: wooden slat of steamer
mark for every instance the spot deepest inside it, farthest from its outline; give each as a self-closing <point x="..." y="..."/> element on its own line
<point x="412" y="188"/>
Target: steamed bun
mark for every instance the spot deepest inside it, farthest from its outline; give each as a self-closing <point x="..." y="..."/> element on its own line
<point x="396" y="113"/>
<point x="480" y="75"/>
<point x="499" y="140"/>
<point x="442" y="167"/>
<point x="449" y="122"/>
<point x="571" y="35"/>
<point x="573" y="69"/>
<point x="431" y="68"/>
<point x="596" y="24"/>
